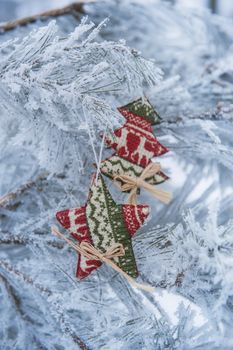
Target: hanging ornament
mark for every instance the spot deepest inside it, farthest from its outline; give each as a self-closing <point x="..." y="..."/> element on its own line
<point x="103" y="228"/>
<point x="135" y="145"/>
<point x="104" y="225"/>
<point x="142" y="108"/>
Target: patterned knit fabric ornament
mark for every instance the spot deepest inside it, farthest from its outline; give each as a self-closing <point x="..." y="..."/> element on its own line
<point x="102" y="223"/>
<point x="135" y="143"/>
<point x="142" y="108"/>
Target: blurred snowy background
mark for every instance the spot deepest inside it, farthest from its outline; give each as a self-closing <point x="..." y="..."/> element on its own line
<point x="12" y="9"/>
<point x="186" y="249"/>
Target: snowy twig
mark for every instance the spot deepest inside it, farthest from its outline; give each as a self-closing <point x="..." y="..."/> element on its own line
<point x="75" y="9"/>
<point x="4" y="200"/>
<point x="27" y="279"/>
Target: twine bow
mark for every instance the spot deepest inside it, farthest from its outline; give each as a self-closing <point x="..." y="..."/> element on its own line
<point x="131" y="184"/>
<point x="90" y="252"/>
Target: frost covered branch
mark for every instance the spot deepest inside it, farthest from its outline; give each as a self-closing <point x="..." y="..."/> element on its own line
<point x="75" y="9"/>
<point x="55" y="88"/>
<point x="58" y="93"/>
<point x="205" y="261"/>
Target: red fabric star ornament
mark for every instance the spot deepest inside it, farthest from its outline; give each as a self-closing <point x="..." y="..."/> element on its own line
<point x="102" y="222"/>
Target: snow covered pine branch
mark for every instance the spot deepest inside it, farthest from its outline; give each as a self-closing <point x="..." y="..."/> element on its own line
<point x="55" y="88"/>
<point x="58" y="92"/>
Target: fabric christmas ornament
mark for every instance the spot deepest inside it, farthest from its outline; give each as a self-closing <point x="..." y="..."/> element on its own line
<point x="135" y="145"/>
<point x="142" y="108"/>
<point x="103" y="224"/>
